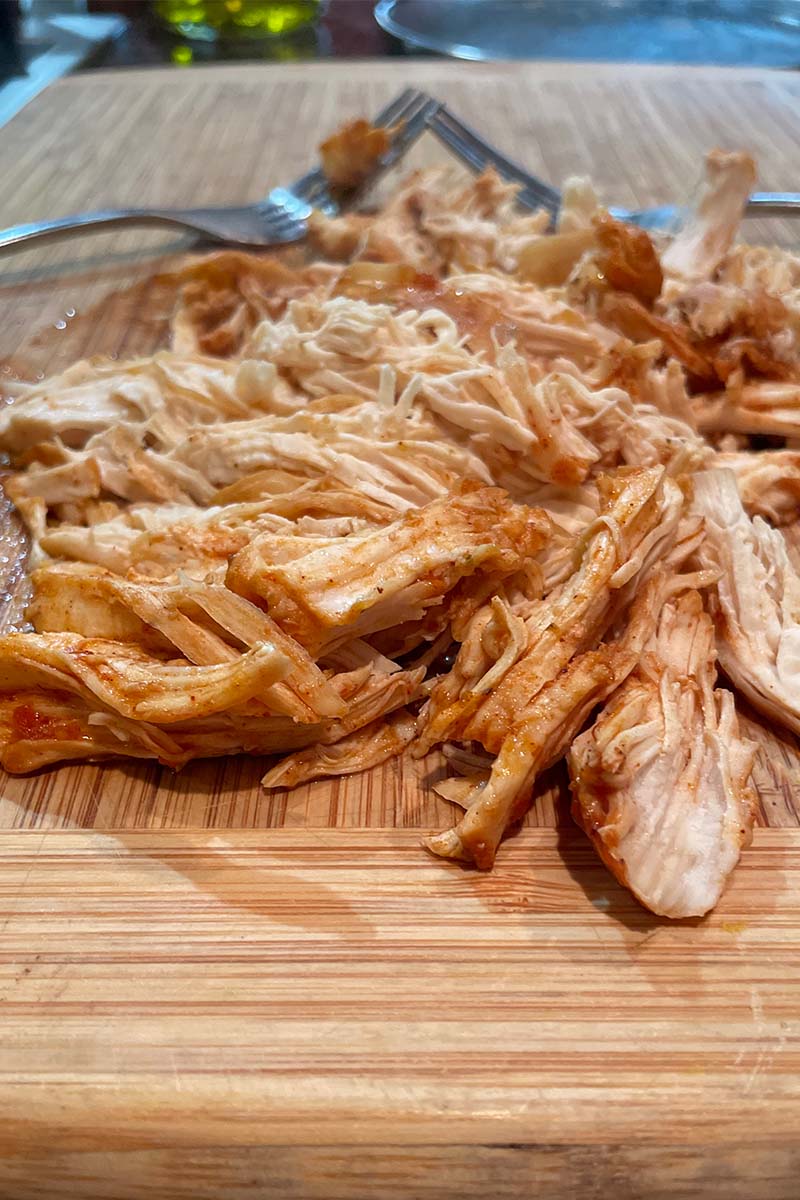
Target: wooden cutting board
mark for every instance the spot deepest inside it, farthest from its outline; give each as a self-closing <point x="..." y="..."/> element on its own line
<point x="208" y="991"/>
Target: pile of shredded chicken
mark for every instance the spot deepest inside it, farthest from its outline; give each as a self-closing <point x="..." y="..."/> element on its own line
<point x="462" y="482"/>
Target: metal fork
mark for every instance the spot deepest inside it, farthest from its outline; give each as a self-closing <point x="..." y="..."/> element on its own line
<point x="534" y="193"/>
<point x="281" y="218"/>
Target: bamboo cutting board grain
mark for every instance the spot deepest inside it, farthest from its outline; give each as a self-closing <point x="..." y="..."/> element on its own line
<point x="208" y="991"/>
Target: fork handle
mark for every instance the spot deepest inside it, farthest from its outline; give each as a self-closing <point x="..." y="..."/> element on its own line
<point x="200" y="222"/>
<point x="203" y="221"/>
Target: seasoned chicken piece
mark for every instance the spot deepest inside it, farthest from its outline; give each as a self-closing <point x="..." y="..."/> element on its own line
<point x="115" y="462"/>
<point x="635" y="368"/>
<point x="121" y="542"/>
<point x="559" y="452"/>
<point x="478" y="226"/>
<point x="756" y="603"/>
<point x="355" y="233"/>
<point x="709" y="309"/>
<point x="717" y="310"/>
<point x="40" y="727"/>
<point x="206" y="623"/>
<point x="738" y="331"/>
<point x="636" y="322"/>
<point x="626" y="258"/>
<point x="435" y="226"/>
<point x="579" y="204"/>
<point x="637" y="524"/>
<point x="393" y="459"/>
<point x="609" y="255"/>
<point x="298" y="499"/>
<point x="752" y="339"/>
<point x="708" y="234"/>
<point x="626" y="433"/>
<point x="126" y="679"/>
<point x="90" y="397"/>
<point x="649" y="437"/>
<point x="773" y="269"/>
<point x="509" y="419"/>
<point x="768" y="279"/>
<point x="765" y="406"/>
<point x="352" y="587"/>
<point x="162" y="541"/>
<point x="223" y="296"/>
<point x="488" y="307"/>
<point x="75" y="598"/>
<point x="540" y="732"/>
<point x="193" y="542"/>
<point x="768" y="482"/>
<point x="349" y="156"/>
<point x="393" y="235"/>
<point x="754" y="345"/>
<point x="368" y="747"/>
<point x="659" y="781"/>
<point x="571" y="510"/>
<point x="369" y="695"/>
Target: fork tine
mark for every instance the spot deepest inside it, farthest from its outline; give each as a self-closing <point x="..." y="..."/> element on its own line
<point x="282" y="222"/>
<point x="311" y="186"/>
<point x="478" y="154"/>
<point x="396" y="109"/>
<point x="477" y="159"/>
<point x="414" y="125"/>
<point x="285" y="210"/>
<point x="510" y="170"/>
<point x="316" y="193"/>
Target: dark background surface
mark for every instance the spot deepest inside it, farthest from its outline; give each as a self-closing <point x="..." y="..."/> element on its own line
<point x="731" y="32"/>
<point x="346" y="29"/>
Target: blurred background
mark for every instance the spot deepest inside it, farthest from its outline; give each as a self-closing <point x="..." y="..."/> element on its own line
<point x="42" y="39"/>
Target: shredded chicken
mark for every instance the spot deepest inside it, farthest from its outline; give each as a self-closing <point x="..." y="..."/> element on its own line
<point x="756" y="603"/>
<point x="660" y="780"/>
<point x="701" y="245"/>
<point x="436" y="489"/>
<point x="325" y="591"/>
<point x="349" y="155"/>
<point x="768" y="482"/>
<point x="367" y="747"/>
<point x="759" y="407"/>
<point x="223" y="296"/>
<point x="430" y="225"/>
<point x="534" y="692"/>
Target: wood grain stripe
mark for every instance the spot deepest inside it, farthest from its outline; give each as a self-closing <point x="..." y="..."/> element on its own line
<point x="163" y="986"/>
<point x="419" y="1172"/>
